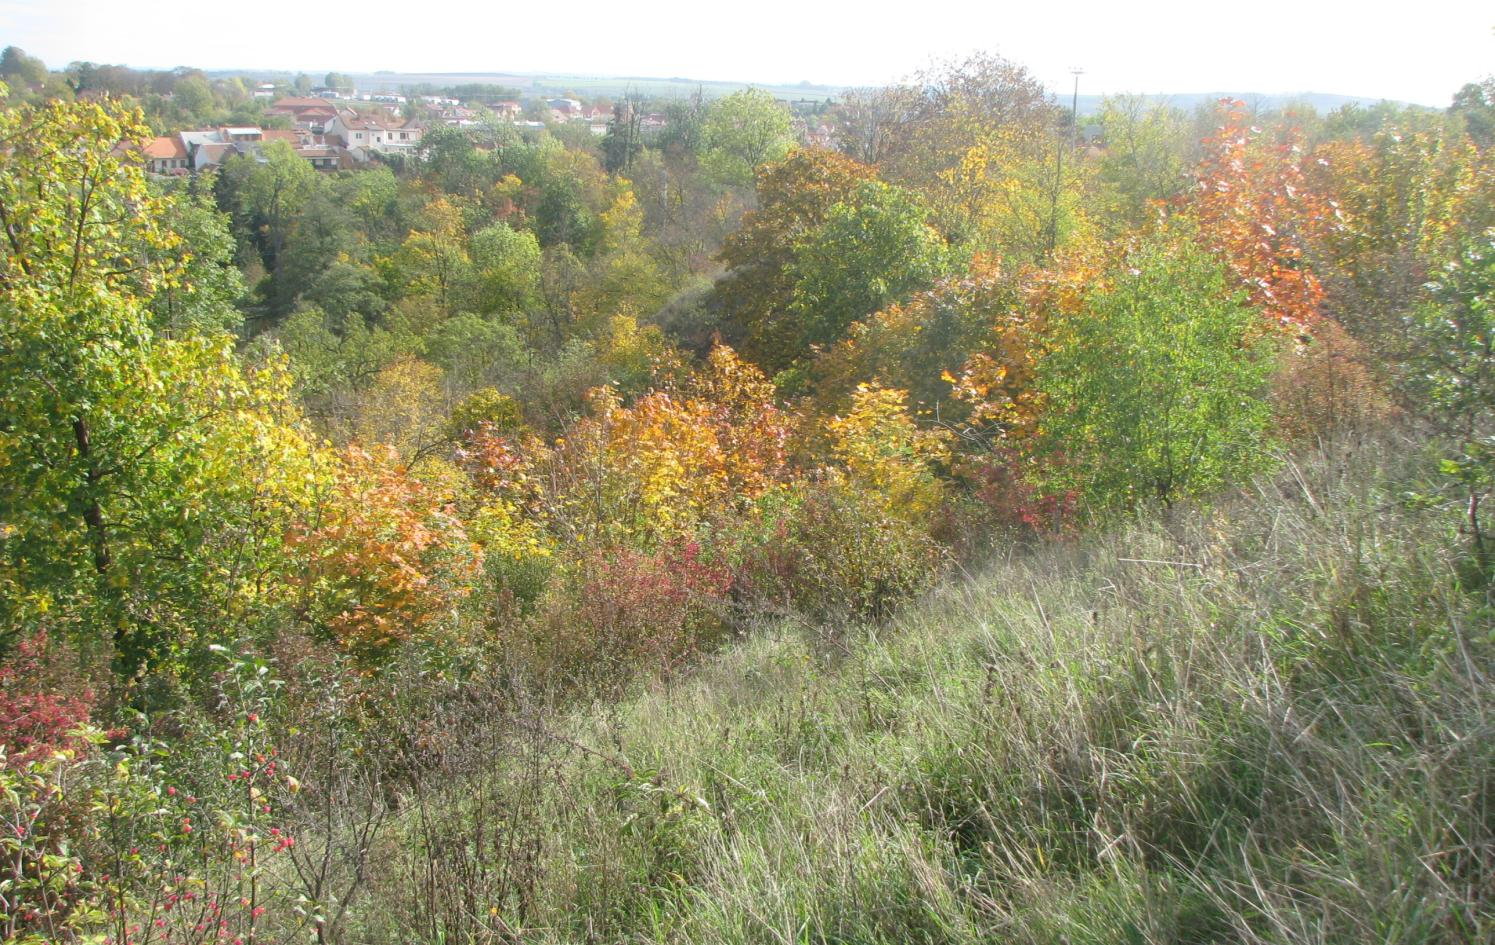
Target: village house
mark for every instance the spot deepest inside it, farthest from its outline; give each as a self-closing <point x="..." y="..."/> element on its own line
<point x="198" y="150"/>
<point x="363" y="135"/>
<point x="167" y="155"/>
<point x="309" y="114"/>
<point x="564" y="109"/>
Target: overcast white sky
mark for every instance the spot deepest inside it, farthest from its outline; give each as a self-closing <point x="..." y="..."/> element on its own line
<point x="1413" y="51"/>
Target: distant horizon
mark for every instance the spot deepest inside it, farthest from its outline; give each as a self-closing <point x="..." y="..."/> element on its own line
<point x="1279" y="46"/>
<point x="318" y="73"/>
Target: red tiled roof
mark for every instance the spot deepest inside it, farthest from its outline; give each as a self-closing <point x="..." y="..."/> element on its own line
<point x="163" y="148"/>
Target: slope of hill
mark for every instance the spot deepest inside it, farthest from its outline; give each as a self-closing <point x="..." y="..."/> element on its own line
<point x="1268" y="723"/>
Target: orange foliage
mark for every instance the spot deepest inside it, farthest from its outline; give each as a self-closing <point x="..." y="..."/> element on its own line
<point x="1253" y="206"/>
<point x="997" y="381"/>
<point x="387" y="557"/>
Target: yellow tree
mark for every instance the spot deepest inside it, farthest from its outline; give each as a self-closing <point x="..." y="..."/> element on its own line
<point x="434" y="258"/>
<point x="888" y="456"/>
<point x="144" y="479"/>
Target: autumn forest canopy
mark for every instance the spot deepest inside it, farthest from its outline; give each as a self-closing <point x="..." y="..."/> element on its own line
<point x="925" y="516"/>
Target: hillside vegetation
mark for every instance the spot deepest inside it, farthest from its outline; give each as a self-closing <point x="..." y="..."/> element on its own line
<point x="700" y="533"/>
<point x="1266" y="723"/>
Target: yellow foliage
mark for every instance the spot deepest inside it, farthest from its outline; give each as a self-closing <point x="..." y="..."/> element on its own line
<point x="406" y="407"/>
<point x="887" y="455"/>
<point x="656" y="469"/>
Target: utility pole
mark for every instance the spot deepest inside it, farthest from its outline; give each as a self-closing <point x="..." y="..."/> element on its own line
<point x="1074" y="131"/>
<point x="1074" y="105"/>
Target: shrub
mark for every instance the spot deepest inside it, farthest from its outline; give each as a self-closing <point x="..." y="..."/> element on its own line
<point x="834" y="552"/>
<point x="1154" y="388"/>
<point x="622" y="608"/>
<point x="1324" y="388"/>
<point x="37" y="716"/>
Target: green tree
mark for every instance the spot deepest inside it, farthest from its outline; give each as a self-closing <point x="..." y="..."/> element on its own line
<point x="624" y="139"/>
<point x="17" y="66"/>
<point x="1154" y="387"/>
<point x="204" y="297"/>
<point x="1475" y="103"/>
<point x="477" y="352"/>
<point x="433" y="259"/>
<point x="742" y="132"/>
<point x="872" y="250"/>
<point x="195" y="98"/>
<point x="794" y="198"/>
<point x="506" y="264"/>
<point x="685" y="120"/>
<point x="322" y="234"/>
<point x="1145" y="160"/>
<point x="271" y="194"/>
<point x="1451" y="373"/>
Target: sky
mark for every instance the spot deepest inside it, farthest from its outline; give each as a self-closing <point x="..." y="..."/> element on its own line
<point x="1417" y="52"/>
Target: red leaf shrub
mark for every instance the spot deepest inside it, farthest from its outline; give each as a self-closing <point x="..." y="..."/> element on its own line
<point x="37" y="716"/>
<point x="631" y="608"/>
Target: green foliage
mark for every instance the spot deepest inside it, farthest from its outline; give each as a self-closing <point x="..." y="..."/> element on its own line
<point x="476" y="351"/>
<point x="208" y="288"/>
<point x="742" y="132"/>
<point x="1455" y="339"/>
<point x="132" y="461"/>
<point x="21" y="69"/>
<point x="1154" y="388"/>
<point x="795" y="196"/>
<point x="1452" y="374"/>
<point x="268" y="196"/>
<point x="321" y="237"/>
<point x="1143" y="163"/>
<point x="506" y="271"/>
<point x="500" y="413"/>
<point x="871" y="250"/>
<point x="1475" y="103"/>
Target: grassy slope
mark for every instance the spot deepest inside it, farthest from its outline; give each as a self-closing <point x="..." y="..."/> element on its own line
<point x="1284" y="735"/>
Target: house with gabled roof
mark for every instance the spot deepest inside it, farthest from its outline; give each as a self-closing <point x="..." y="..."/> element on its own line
<point x="364" y="134"/>
<point x="310" y="114"/>
<point x="166" y="155"/>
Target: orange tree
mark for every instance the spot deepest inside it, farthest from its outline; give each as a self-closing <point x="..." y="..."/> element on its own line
<point x="385" y="560"/>
<point x="1254" y="208"/>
